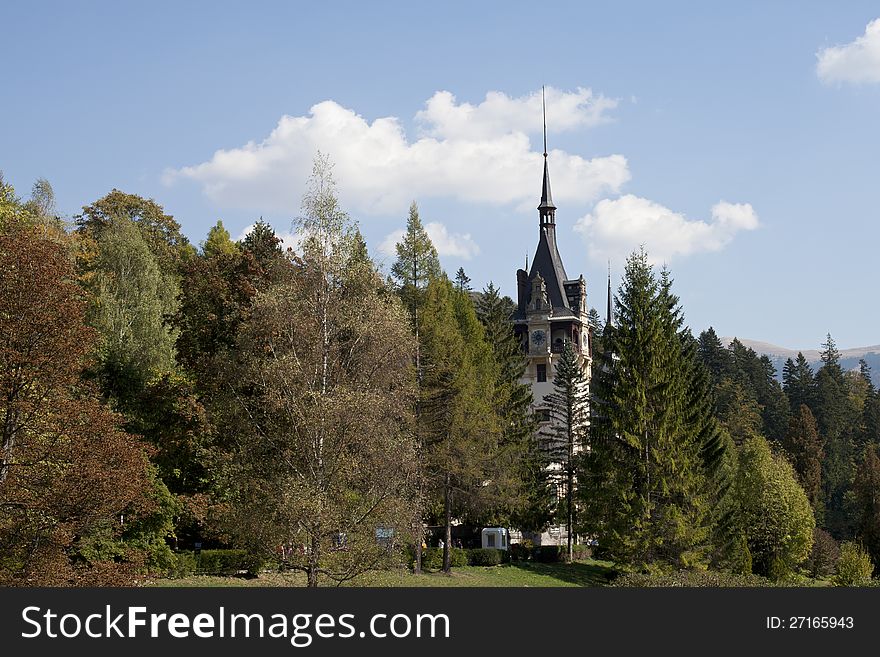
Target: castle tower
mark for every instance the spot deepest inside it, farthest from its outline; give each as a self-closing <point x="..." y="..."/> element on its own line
<point x="551" y="310"/>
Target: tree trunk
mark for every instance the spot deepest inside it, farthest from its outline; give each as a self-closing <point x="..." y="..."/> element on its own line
<point x="9" y="430"/>
<point x="447" y="512"/>
<point x="569" y="483"/>
<point x="417" y="566"/>
<point x="570" y="518"/>
<point x="314" y="556"/>
<point x="420" y="531"/>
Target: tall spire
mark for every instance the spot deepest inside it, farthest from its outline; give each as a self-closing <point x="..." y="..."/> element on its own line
<point x="609" y="315"/>
<point x="546" y="207"/>
<point x="544" y="114"/>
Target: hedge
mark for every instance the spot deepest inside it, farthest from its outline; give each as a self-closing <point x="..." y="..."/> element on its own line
<point x="216" y="562"/>
<point x="692" y="579"/>
<point x="546" y="553"/>
<point x="486" y="556"/>
<point x="432" y="558"/>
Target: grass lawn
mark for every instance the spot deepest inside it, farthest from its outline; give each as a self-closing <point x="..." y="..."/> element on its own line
<point x="581" y="573"/>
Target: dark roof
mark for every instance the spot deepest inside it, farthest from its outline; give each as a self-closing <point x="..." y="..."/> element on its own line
<point x="549" y="264"/>
<point x="546" y="196"/>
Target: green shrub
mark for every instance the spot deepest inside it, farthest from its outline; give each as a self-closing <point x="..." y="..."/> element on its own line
<point x="691" y="579"/>
<point x="432" y="558"/>
<point x="184" y="565"/>
<point x="485" y="556"/>
<point x="546" y="553"/>
<point x="221" y="562"/>
<point x="253" y="563"/>
<point x="854" y="567"/>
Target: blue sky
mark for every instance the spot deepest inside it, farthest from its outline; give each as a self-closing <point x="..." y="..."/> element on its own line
<point x="738" y="142"/>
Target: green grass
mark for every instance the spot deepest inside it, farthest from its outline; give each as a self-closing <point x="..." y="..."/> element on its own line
<point x="581" y="573"/>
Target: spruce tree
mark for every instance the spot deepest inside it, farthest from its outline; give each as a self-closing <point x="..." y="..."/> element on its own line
<point x="566" y="435"/>
<point x="799" y="382"/>
<point x="416" y="265"/>
<point x="804" y="450"/>
<point x="867" y="493"/>
<point x="837" y="419"/>
<point x="462" y="281"/>
<point x="646" y="464"/>
<point x="715" y="357"/>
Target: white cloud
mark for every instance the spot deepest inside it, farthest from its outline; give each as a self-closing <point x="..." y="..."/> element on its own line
<point x="857" y="62"/>
<point x="500" y="114"/>
<point x="471" y="153"/>
<point x="456" y="245"/>
<point x="289" y="240"/>
<point x="617" y="227"/>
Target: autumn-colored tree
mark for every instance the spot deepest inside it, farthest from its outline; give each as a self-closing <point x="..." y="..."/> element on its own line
<point x="217" y="290"/>
<point x="66" y="470"/>
<point x="160" y="230"/>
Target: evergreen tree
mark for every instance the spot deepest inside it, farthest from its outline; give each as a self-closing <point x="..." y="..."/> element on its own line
<point x="525" y="500"/>
<point x="838" y="420"/>
<point x="799" y="383"/>
<point x="804" y="449"/>
<point x="738" y="410"/>
<point x="462" y="281"/>
<point x="416" y="266"/>
<point x="715" y="357"/>
<point x="595" y="322"/>
<point x="566" y="435"/>
<point x="457" y="428"/>
<point x="867" y="493"/>
<point x="758" y="376"/>
<point x="647" y="502"/>
<point x="218" y="241"/>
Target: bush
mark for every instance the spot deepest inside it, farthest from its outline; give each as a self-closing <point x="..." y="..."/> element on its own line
<point x="546" y="553"/>
<point x="691" y="579"/>
<point x="432" y="558"/>
<point x="520" y="551"/>
<point x="221" y="562"/>
<point x="184" y="565"/>
<point x="823" y="557"/>
<point x="581" y="552"/>
<point x="854" y="567"/>
<point x="485" y="556"/>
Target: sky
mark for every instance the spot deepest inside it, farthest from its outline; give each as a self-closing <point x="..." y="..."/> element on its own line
<point x="738" y="142"/>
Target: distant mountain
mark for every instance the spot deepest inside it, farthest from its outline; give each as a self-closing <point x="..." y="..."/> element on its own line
<point x="849" y="358"/>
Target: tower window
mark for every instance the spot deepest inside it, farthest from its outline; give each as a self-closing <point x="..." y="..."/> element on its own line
<point x="542" y="373"/>
<point x="542" y="415"/>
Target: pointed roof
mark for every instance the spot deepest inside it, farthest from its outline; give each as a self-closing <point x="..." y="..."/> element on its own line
<point x="546" y="196"/>
<point x="548" y="263"/>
